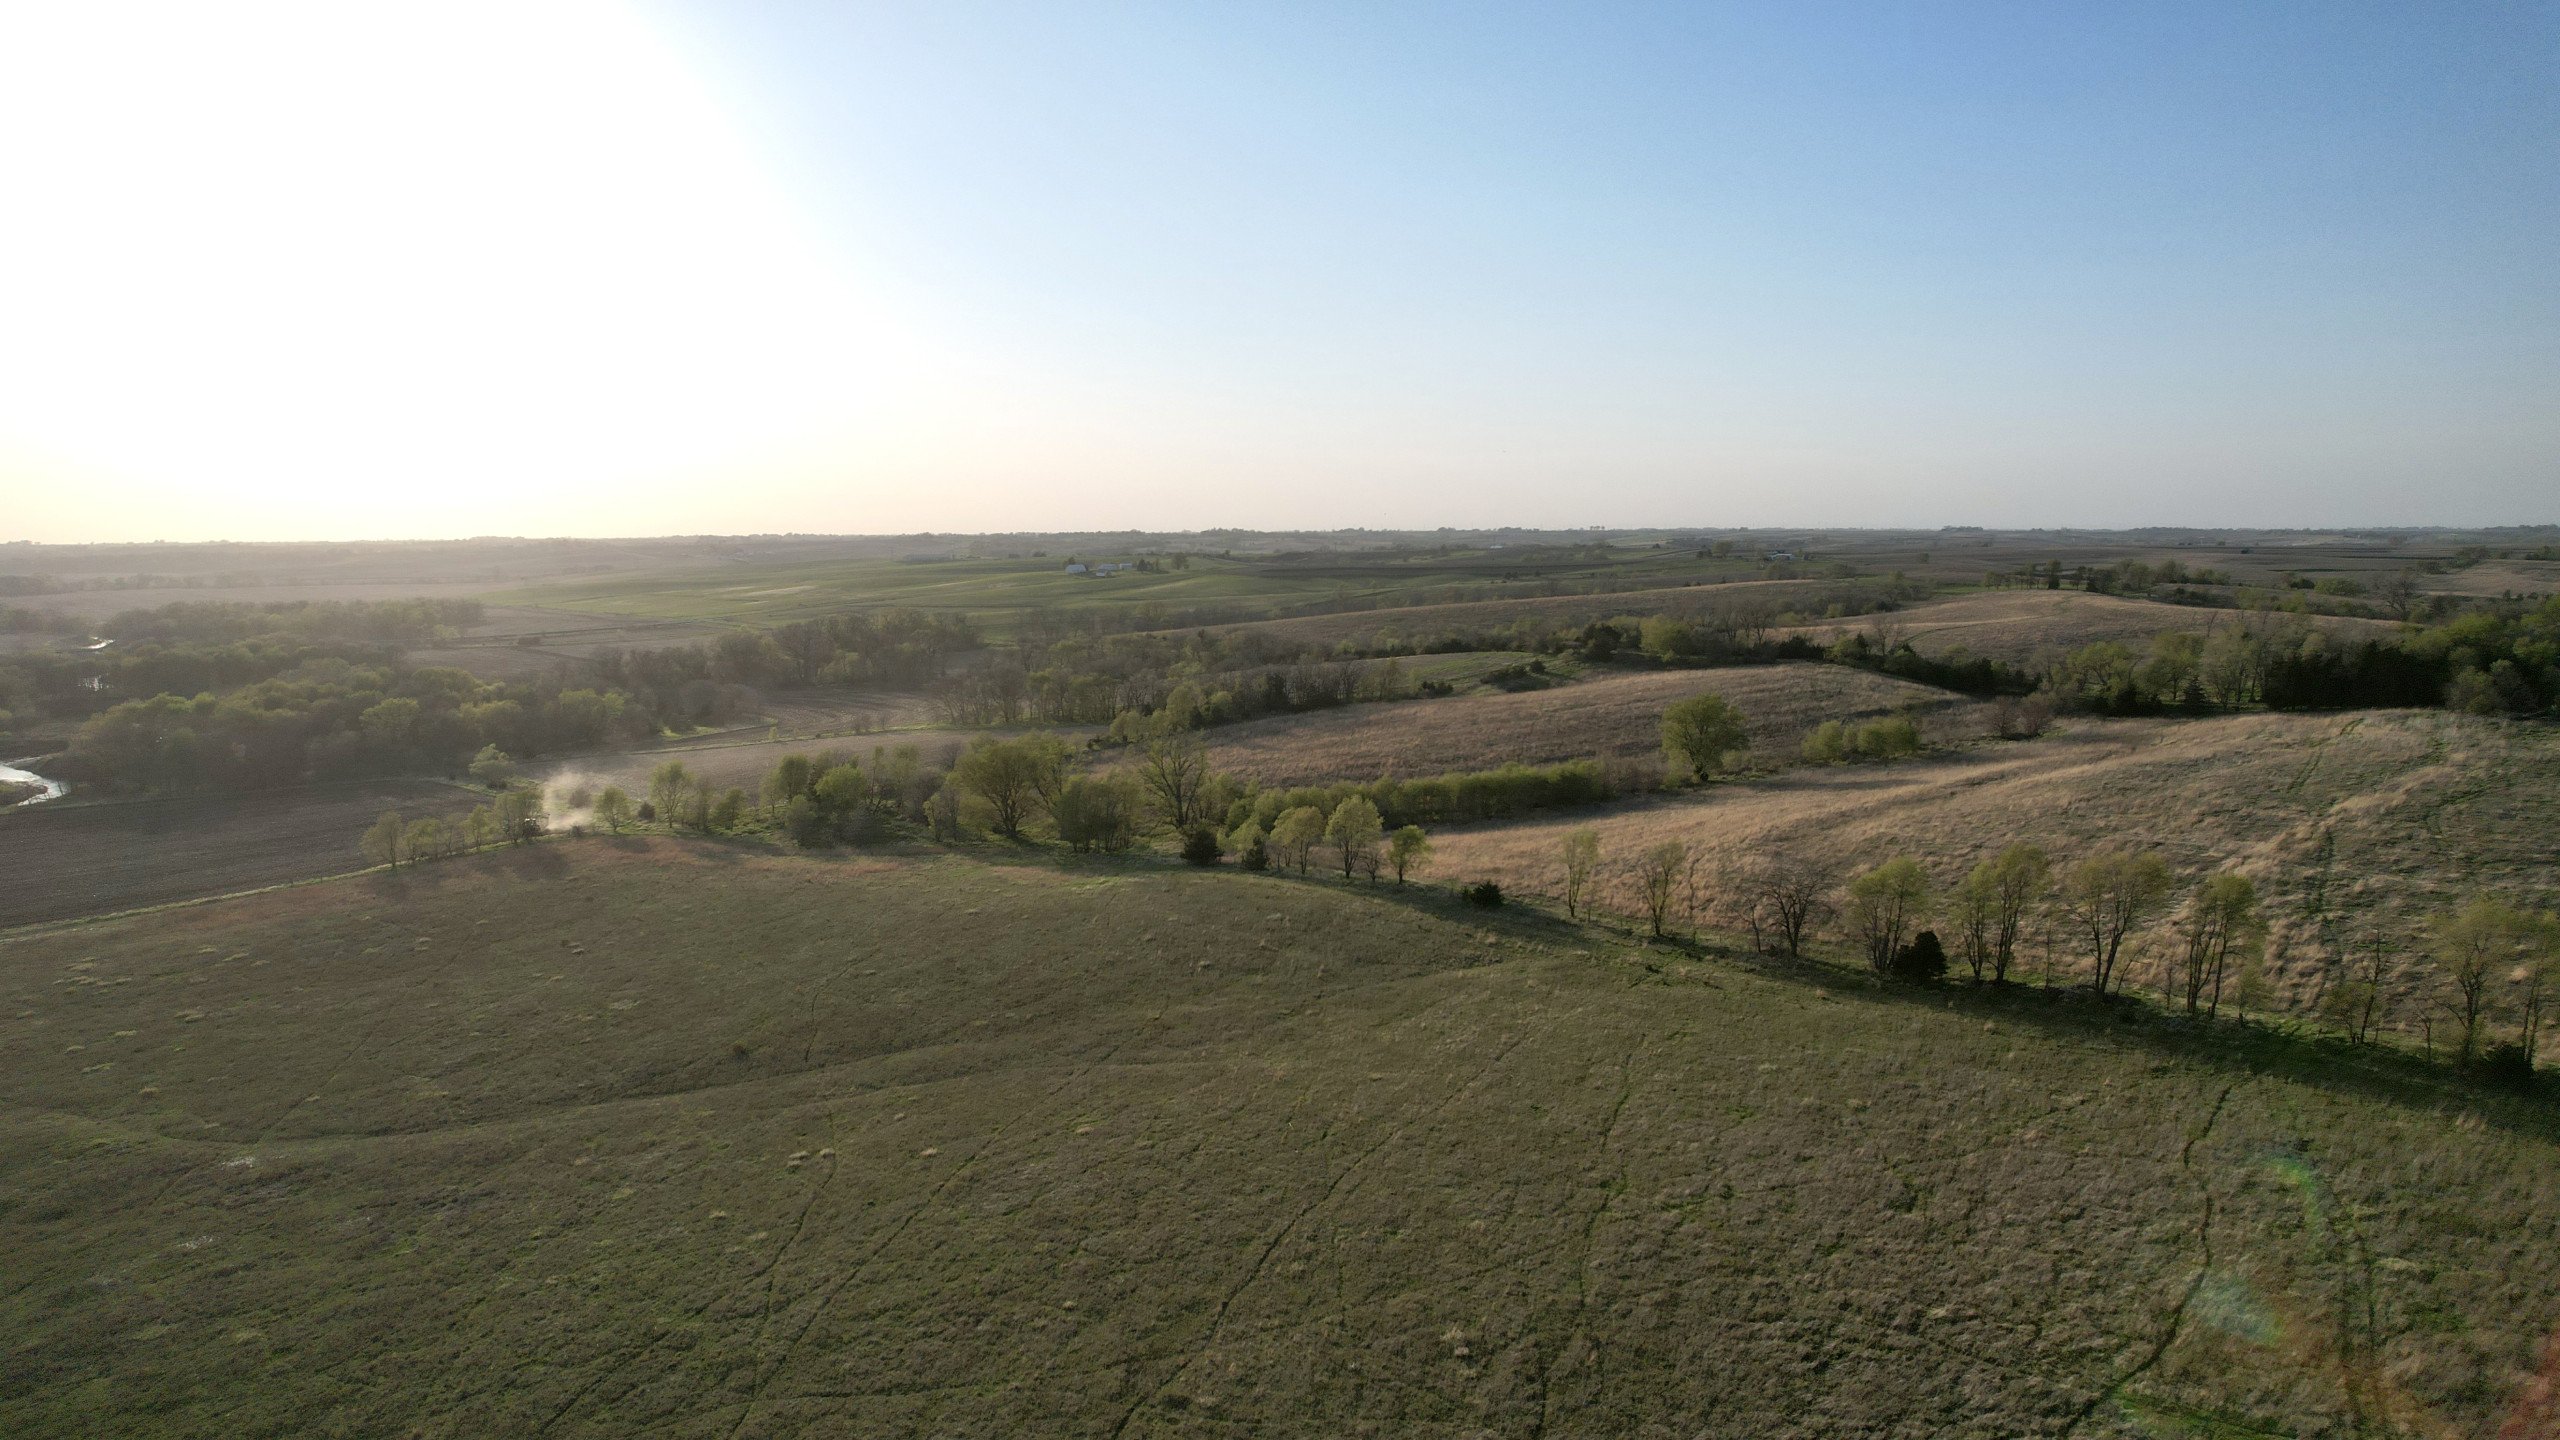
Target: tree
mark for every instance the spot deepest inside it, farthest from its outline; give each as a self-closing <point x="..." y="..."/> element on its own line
<point x="1991" y="906"/>
<point x="729" y="809"/>
<point x="2221" y="919"/>
<point x="520" y="814"/>
<point x="1013" y="778"/>
<point x="480" y="828"/>
<point x="791" y="777"/>
<point x="1098" y="812"/>
<point x="1702" y="733"/>
<point x="2109" y="895"/>
<point x="1784" y="896"/>
<point x="2485" y="942"/>
<point x="492" y="767"/>
<point x="424" y="839"/>
<point x="381" y="841"/>
<point x="1581" y="860"/>
<point x="1295" y="834"/>
<point x="669" y="784"/>
<point x="1660" y="875"/>
<point x="1354" y="829"/>
<point x="1408" y="850"/>
<point x="1175" y="770"/>
<point x="1884" y="904"/>
<point x="613" y="808"/>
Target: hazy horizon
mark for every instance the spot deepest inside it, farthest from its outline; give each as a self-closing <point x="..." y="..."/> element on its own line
<point x="658" y="268"/>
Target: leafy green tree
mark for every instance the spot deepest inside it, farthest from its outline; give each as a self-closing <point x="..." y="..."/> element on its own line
<point x="1175" y="769"/>
<point x="613" y="808"/>
<point x="1015" y="779"/>
<point x="1354" y="829"/>
<point x="1702" y="734"/>
<point x="1099" y="812"/>
<point x="381" y="840"/>
<point x="729" y="810"/>
<point x="1581" y="861"/>
<point x="1990" y="908"/>
<point x="480" y="828"/>
<point x="669" y="785"/>
<point x="425" y="839"/>
<point x="2107" y="897"/>
<point x="2222" y="920"/>
<point x="1884" y="904"/>
<point x="791" y="777"/>
<point x="2484" y="943"/>
<point x="1408" y="851"/>
<point x="492" y="767"/>
<point x="1295" y="834"/>
<point x="520" y="815"/>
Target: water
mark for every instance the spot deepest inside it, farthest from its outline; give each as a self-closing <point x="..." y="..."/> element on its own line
<point x="52" y="788"/>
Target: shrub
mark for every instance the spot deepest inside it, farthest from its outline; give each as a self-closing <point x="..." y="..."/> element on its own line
<point x="1923" y="961"/>
<point x="1200" y="847"/>
<point x="1483" y="893"/>
<point x="1098" y="813"/>
<point x="2507" y="1064"/>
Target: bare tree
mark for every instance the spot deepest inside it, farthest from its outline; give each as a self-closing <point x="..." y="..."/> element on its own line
<point x="2106" y="897"/>
<point x="1581" y="858"/>
<point x="1662" y="873"/>
<point x="1786" y="895"/>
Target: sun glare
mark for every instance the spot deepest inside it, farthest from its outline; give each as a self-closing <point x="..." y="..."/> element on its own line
<point x="360" y="264"/>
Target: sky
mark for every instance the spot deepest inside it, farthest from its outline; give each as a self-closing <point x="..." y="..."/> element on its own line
<point x="305" y="271"/>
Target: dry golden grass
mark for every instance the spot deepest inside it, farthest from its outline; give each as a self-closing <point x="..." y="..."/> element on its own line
<point x="2023" y="625"/>
<point x="2349" y="824"/>
<point x="2497" y="577"/>
<point x="1618" y="717"/>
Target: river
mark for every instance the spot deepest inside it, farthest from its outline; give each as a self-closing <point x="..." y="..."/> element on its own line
<point x="52" y="788"/>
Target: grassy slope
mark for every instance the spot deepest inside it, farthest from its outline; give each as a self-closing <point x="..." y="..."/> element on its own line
<point x="648" y="1138"/>
<point x="2346" y="822"/>
<point x="1616" y="715"/>
<point x="2024" y="625"/>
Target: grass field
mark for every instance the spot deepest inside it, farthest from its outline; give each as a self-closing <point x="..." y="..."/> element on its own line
<point x="2347" y="823"/>
<point x="1616" y="715"/>
<point x="1423" y="623"/>
<point x="996" y="591"/>
<point x="2025" y="625"/>
<point x="70" y="859"/>
<point x="608" y="1138"/>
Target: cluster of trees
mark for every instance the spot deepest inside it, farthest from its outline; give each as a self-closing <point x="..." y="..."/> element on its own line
<point x="2495" y="964"/>
<point x="329" y="719"/>
<point x="1459" y="797"/>
<point x="1834" y="742"/>
<point x="515" y="817"/>
<point x="1353" y="836"/>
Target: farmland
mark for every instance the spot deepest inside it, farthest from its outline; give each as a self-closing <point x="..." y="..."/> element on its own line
<point x="2350" y="825"/>
<point x="68" y="860"/>
<point x="615" y="1137"/>
<point x="2024" y="625"/>
<point x="1616" y="717"/>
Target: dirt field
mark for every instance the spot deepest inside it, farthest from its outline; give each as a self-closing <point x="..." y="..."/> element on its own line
<point x="2347" y="823"/>
<point x="1617" y="715"/>
<point x="600" y="1139"/>
<point x="66" y="860"/>
<point x="2026" y="625"/>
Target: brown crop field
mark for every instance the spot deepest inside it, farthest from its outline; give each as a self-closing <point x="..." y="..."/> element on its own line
<point x="2349" y="824"/>
<point x="67" y="860"/>
<point x="2025" y="625"/>
<point x="1618" y="716"/>
<point x="686" y="1140"/>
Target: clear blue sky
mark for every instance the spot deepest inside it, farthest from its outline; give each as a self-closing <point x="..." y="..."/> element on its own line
<point x="1402" y="264"/>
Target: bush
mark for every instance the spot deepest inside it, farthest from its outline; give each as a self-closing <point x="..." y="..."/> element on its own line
<point x="1923" y="961"/>
<point x="1256" y="857"/>
<point x="1200" y="847"/>
<point x="2506" y="1064"/>
<point x="1484" y="893"/>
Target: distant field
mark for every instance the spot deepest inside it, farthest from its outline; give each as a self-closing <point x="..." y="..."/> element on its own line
<point x="2022" y="625"/>
<point x="1427" y="622"/>
<point x="2498" y="577"/>
<point x="1618" y="715"/>
<point x="2347" y="823"/>
<point x="66" y="860"/>
<point x="998" y="592"/>
<point x="681" y="1140"/>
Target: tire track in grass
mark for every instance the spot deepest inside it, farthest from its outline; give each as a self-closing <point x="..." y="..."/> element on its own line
<point x="1280" y="1234"/>
<point x="765" y="1377"/>
<point x="2204" y="1268"/>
